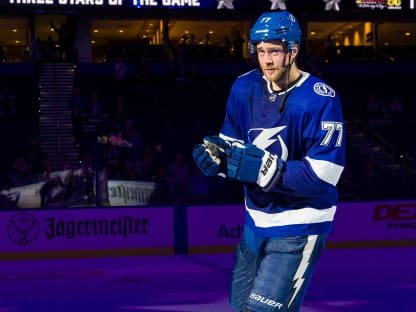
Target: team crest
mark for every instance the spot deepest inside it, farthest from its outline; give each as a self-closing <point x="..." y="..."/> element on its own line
<point x="323" y="89"/>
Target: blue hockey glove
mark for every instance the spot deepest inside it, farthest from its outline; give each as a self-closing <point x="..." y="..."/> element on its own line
<point x="211" y="156"/>
<point x="250" y="164"/>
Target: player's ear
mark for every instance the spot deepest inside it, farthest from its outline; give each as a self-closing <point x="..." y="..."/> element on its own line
<point x="293" y="53"/>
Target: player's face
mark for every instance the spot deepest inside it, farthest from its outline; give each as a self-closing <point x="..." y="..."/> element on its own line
<point x="273" y="59"/>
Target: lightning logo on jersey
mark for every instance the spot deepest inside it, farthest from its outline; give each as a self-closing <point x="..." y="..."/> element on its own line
<point x="266" y="139"/>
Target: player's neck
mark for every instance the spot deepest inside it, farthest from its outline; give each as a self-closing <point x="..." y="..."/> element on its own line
<point x="287" y="80"/>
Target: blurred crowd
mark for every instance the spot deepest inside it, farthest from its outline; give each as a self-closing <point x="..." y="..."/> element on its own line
<point x="135" y="128"/>
<point x="111" y="143"/>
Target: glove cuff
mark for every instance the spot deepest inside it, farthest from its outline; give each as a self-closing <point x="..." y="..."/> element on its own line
<point x="270" y="171"/>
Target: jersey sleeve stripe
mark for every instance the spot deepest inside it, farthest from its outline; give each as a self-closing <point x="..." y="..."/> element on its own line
<point x="325" y="170"/>
<point x="229" y="139"/>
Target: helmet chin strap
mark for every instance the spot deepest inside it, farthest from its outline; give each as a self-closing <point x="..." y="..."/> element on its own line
<point x="286" y="93"/>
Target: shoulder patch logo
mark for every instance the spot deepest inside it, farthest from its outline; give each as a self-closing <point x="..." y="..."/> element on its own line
<point x="323" y="89"/>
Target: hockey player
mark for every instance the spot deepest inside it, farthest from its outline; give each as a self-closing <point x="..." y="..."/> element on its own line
<point x="283" y="137"/>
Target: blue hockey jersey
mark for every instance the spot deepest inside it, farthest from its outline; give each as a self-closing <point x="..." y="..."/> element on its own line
<point x="308" y="133"/>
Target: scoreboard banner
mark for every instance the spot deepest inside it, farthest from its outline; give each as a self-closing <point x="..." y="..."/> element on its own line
<point x="138" y="4"/>
<point x="309" y="5"/>
<point x="384" y="4"/>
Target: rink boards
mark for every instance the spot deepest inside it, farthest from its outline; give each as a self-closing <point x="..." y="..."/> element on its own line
<point x="120" y="231"/>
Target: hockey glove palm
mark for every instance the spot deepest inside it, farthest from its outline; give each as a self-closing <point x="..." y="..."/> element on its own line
<point x="211" y="156"/>
<point x="250" y="164"/>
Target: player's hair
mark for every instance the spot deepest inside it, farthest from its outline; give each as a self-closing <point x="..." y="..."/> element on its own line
<point x="275" y="26"/>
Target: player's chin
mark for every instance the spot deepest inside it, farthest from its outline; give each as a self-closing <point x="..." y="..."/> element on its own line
<point x="271" y="74"/>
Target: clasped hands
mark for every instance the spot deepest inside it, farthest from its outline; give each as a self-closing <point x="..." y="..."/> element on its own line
<point x="243" y="162"/>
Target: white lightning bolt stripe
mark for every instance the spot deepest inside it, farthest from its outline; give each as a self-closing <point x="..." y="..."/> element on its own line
<point x="325" y="170"/>
<point x="303" y="265"/>
<point x="263" y="140"/>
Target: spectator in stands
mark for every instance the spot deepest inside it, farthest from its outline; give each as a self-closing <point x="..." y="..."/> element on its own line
<point x="396" y="107"/>
<point x="95" y="113"/>
<point x="116" y="165"/>
<point x="183" y="39"/>
<point x="62" y="33"/>
<point x="160" y="156"/>
<point x="142" y="69"/>
<point x="50" y="50"/>
<point x="3" y="53"/>
<point x="180" y="61"/>
<point x="132" y="174"/>
<point x="21" y="173"/>
<point x="118" y="114"/>
<point x="85" y="181"/>
<point x="120" y="69"/>
<point x="46" y="168"/>
<point x="399" y="122"/>
<point x="95" y="108"/>
<point x="179" y="178"/>
<point x="78" y="106"/>
<point x="161" y="178"/>
<point x="34" y="155"/>
<point x="207" y="40"/>
<point x="66" y="38"/>
<point x="191" y="41"/>
<point x="54" y="189"/>
<point x="76" y="186"/>
<point x="120" y="74"/>
<point x="132" y="154"/>
<point x="329" y="46"/>
<point x="238" y="46"/>
<point x="147" y="166"/>
<point x="93" y="123"/>
<point x="226" y="46"/>
<point x="102" y="194"/>
<point x="37" y="56"/>
<point x="62" y="162"/>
